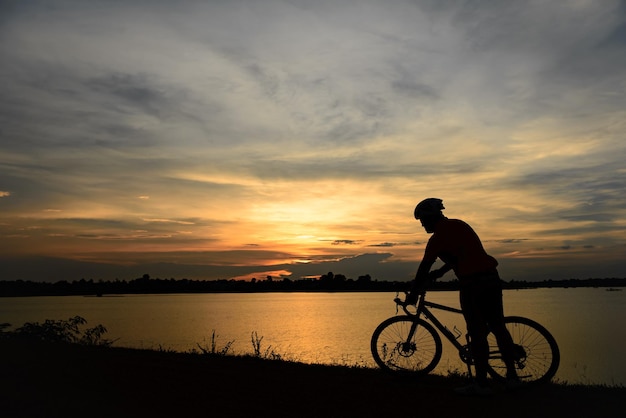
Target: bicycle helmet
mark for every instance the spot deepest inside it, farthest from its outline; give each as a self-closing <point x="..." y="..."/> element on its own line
<point x="428" y="207"/>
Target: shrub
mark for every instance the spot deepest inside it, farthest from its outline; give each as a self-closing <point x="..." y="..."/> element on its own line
<point x="65" y="331"/>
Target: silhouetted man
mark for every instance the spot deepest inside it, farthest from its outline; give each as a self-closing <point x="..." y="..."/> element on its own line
<point x="457" y="245"/>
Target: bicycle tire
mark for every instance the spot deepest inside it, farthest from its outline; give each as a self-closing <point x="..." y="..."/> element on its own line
<point x="393" y="353"/>
<point x="537" y="357"/>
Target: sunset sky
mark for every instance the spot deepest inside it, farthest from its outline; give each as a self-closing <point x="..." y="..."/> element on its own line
<point x="213" y="139"/>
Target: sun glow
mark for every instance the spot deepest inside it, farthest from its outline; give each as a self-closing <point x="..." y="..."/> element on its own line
<point x="258" y="150"/>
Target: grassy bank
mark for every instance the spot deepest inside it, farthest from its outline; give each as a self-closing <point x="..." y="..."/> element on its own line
<point x="69" y="380"/>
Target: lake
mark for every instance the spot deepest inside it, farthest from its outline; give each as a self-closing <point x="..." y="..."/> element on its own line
<point x="335" y="328"/>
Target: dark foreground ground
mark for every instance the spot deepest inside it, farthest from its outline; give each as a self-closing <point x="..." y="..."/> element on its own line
<point x="38" y="380"/>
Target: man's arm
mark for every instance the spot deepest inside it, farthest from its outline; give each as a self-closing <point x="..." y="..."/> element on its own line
<point x="421" y="277"/>
<point x="435" y="274"/>
<point x="420" y="281"/>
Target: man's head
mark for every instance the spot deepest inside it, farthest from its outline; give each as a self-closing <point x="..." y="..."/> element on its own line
<point x="428" y="212"/>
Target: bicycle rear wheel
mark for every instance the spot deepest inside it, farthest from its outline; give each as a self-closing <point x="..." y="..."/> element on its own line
<point x="537" y="354"/>
<point x="394" y="351"/>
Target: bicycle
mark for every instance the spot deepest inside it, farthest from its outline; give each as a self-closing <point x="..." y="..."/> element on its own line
<point x="410" y="344"/>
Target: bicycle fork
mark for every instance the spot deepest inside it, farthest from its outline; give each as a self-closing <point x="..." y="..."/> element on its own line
<point x="408" y="345"/>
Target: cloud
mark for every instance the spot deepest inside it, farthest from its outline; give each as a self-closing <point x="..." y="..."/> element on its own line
<point x="289" y="125"/>
<point x="344" y="242"/>
<point x="385" y="244"/>
<point x="170" y="221"/>
<point x="177" y="267"/>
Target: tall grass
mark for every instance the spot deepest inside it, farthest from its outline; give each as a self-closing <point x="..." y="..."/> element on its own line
<point x="268" y="353"/>
<point x="212" y="348"/>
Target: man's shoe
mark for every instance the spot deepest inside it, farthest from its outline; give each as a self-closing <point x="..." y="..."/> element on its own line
<point x="474" y="390"/>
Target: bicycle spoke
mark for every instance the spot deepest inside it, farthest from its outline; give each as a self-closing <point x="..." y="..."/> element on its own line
<point x="538" y="356"/>
<point x="398" y="347"/>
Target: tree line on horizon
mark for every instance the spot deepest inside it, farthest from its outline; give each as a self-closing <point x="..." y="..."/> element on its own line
<point x="328" y="282"/>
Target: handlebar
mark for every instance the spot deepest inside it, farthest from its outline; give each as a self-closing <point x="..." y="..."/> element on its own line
<point x="404" y="305"/>
<point x="421" y="292"/>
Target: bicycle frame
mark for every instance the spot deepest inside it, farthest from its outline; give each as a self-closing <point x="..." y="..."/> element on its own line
<point x="423" y="310"/>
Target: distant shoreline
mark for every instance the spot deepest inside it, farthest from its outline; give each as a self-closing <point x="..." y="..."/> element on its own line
<point x="326" y="283"/>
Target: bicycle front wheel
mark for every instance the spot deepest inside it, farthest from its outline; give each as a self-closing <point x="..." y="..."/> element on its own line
<point x="536" y="352"/>
<point x="404" y="344"/>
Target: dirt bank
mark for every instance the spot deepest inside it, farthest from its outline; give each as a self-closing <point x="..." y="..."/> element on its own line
<point x="43" y="380"/>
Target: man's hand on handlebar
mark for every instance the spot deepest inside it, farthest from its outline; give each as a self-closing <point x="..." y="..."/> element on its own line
<point x="413" y="295"/>
<point x="411" y="298"/>
<point x="418" y="289"/>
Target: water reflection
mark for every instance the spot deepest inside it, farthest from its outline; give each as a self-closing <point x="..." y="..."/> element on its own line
<point x="335" y="328"/>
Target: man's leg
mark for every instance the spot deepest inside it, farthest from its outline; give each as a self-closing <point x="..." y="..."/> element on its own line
<point x="477" y="329"/>
<point x="495" y="318"/>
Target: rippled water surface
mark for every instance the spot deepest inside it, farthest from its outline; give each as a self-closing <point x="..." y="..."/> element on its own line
<point x="335" y="328"/>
